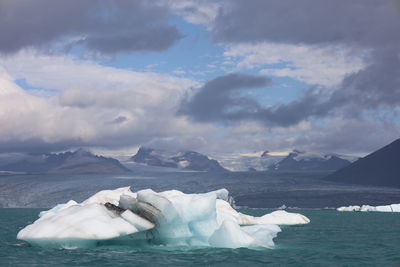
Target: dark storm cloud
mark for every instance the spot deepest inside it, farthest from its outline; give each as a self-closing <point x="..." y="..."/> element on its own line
<point x="218" y="100"/>
<point x="366" y="22"/>
<point x="376" y="85"/>
<point x="109" y="26"/>
<point x="221" y="100"/>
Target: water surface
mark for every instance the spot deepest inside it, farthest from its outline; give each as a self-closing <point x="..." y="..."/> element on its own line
<point x="331" y="239"/>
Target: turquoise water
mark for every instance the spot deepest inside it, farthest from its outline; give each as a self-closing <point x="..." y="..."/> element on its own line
<point x="331" y="239"/>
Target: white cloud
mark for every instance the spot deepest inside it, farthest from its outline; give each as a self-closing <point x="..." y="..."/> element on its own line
<point x="322" y="65"/>
<point x="116" y="110"/>
<point x="24" y="117"/>
<point x="90" y="104"/>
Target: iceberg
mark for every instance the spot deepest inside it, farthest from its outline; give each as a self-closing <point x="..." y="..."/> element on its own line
<point x="349" y="208"/>
<point x="169" y="218"/>
<point x="365" y="208"/>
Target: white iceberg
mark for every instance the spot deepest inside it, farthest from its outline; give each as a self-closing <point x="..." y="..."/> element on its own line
<point x="349" y="208"/>
<point x="364" y="208"/>
<point x="169" y="218"/>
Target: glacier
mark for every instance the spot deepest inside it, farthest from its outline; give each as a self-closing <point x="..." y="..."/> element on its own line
<point x="169" y="218"/>
<point x="364" y="208"/>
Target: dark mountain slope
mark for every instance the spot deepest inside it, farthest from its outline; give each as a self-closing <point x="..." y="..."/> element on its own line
<point x="381" y="167"/>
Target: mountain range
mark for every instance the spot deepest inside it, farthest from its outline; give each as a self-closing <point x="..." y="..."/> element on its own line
<point x="294" y="161"/>
<point x="79" y="161"/>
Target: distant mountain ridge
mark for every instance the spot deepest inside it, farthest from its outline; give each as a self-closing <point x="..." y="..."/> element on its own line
<point x="294" y="161"/>
<point x="189" y="160"/>
<point x="82" y="161"/>
<point x="381" y="167"/>
<point x="79" y="161"/>
<point x="302" y="161"/>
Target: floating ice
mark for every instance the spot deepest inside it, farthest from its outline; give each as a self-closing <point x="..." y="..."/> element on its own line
<point x="349" y="208"/>
<point x="169" y="218"/>
<point x="386" y="208"/>
<point x="281" y="217"/>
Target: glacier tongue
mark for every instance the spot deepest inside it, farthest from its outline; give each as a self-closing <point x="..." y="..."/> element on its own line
<point x="169" y="218"/>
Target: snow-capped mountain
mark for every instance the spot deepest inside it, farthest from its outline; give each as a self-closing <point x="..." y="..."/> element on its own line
<point x="79" y="161"/>
<point x="189" y="160"/>
<point x="311" y="161"/>
<point x="256" y="161"/>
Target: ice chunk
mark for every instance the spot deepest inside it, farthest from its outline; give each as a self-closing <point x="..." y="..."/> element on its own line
<point x="280" y="217"/>
<point x="76" y="226"/>
<point x="226" y="212"/>
<point x="169" y="218"/>
<point x="265" y="233"/>
<point x="58" y="208"/>
<point x="111" y="196"/>
<point x="349" y="208"/>
<point x="140" y="223"/>
<point x="388" y="208"/>
<point x="128" y="202"/>
<point x="184" y="219"/>
<point x="395" y="207"/>
<point x="231" y="235"/>
<point x="365" y="208"/>
<point x="283" y="218"/>
<point x="222" y="194"/>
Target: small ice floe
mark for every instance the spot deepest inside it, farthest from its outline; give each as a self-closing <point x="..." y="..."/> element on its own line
<point x="386" y="208"/>
<point x="169" y="218"/>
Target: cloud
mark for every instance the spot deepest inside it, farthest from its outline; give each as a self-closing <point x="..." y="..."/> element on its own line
<point x="375" y="86"/>
<point x="220" y="100"/>
<point x="107" y="27"/>
<point x="322" y="65"/>
<point x="351" y="48"/>
<point x="223" y="99"/>
<point x="363" y="22"/>
<point x="366" y="28"/>
<point x="92" y="105"/>
<point x="143" y="112"/>
<point x="27" y="119"/>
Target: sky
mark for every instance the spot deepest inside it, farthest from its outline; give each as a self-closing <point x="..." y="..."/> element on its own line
<point x="212" y="76"/>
